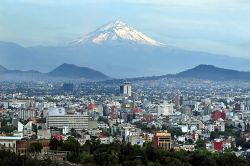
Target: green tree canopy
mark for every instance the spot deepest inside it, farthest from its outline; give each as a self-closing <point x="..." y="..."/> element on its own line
<point x="35" y="147"/>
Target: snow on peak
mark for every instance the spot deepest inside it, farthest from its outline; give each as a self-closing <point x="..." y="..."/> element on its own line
<point x="117" y="31"/>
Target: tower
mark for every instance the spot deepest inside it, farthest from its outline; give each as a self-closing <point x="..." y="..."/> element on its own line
<point x="125" y="89"/>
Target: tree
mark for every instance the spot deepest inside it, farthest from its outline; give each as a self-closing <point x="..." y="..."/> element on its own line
<point x="35" y="147"/>
<point x="239" y="126"/>
<point x="102" y="119"/>
<point x="71" y="144"/>
<point x="86" y="158"/>
<point x="95" y="142"/>
<point x="74" y="133"/>
<point x="164" y="127"/>
<point x="175" y="131"/>
<point x="72" y="130"/>
<point x="34" y="128"/>
<point x="106" y="158"/>
<point x="190" y="141"/>
<point x="55" y="144"/>
<point x="200" y="144"/>
<point x="10" y="158"/>
<point x="3" y="122"/>
<point x="8" y="129"/>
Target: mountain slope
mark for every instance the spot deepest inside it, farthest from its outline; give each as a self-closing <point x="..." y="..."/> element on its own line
<point x="18" y="75"/>
<point x="13" y="55"/>
<point x="118" y="32"/>
<point x="2" y="69"/>
<point x="203" y="72"/>
<point x="122" y="53"/>
<point x="75" y="72"/>
<point x="122" y="61"/>
<point x="211" y="72"/>
<point x="62" y="73"/>
<point x="72" y="72"/>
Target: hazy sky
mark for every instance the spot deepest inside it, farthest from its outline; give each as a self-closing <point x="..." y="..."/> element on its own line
<point x="217" y="26"/>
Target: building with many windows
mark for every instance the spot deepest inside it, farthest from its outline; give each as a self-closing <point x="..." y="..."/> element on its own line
<point x="162" y="140"/>
<point x="26" y="114"/>
<point x="9" y="142"/>
<point x="165" y="109"/>
<point x="125" y="89"/>
<point x="61" y="119"/>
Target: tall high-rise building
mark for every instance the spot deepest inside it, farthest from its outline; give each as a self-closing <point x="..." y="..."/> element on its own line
<point x="237" y="106"/>
<point x="178" y="101"/>
<point x="125" y="89"/>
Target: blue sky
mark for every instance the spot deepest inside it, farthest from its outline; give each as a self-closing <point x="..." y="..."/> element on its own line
<point x="215" y="26"/>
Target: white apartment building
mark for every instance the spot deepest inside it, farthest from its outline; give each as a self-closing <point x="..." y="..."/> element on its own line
<point x="61" y="120"/>
<point x="165" y="109"/>
<point x="9" y="143"/>
<point x="217" y="125"/>
<point x="126" y="89"/>
<point x="26" y="114"/>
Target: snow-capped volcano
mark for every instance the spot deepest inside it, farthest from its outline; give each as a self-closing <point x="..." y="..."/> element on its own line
<point x="117" y="32"/>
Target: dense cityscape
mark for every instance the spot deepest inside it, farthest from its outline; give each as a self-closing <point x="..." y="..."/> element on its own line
<point x="48" y="120"/>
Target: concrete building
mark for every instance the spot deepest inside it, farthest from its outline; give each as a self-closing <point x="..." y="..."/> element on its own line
<point x="25" y="130"/>
<point x="26" y="114"/>
<point x="43" y="134"/>
<point x="162" y="140"/>
<point x="178" y="101"/>
<point x="9" y="142"/>
<point x="22" y="146"/>
<point x="21" y="104"/>
<point x="132" y="135"/>
<point x="59" y="119"/>
<point x="125" y="89"/>
<point x="165" y="109"/>
<point x="105" y="139"/>
<point x="216" y="125"/>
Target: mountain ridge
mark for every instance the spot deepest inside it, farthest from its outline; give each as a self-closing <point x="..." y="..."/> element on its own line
<point x="200" y="72"/>
<point x="2" y="69"/>
<point x="214" y="73"/>
<point x="120" y="58"/>
<point x="62" y="72"/>
<point x="73" y="71"/>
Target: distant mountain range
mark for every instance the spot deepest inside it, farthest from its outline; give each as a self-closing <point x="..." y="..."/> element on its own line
<point x="117" y="49"/>
<point x="62" y="73"/>
<point x="75" y="72"/>
<point x="202" y="72"/>
<point x="66" y="72"/>
<point x="210" y="72"/>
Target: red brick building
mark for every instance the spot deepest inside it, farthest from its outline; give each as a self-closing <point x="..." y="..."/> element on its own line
<point x="22" y="146"/>
<point x="216" y="115"/>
